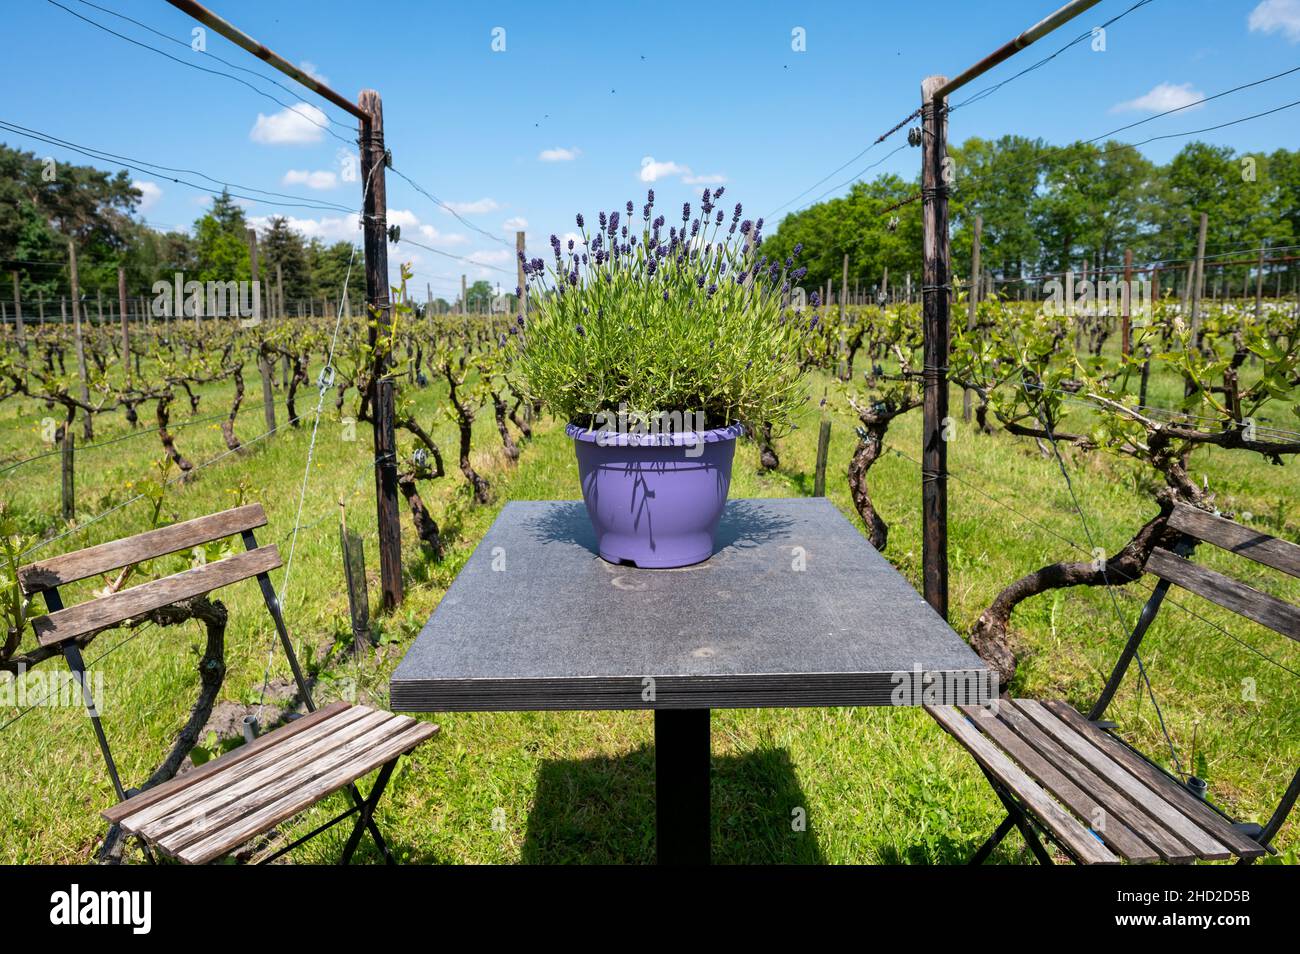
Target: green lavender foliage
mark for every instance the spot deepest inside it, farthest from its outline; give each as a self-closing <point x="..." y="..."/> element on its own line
<point x="695" y="320"/>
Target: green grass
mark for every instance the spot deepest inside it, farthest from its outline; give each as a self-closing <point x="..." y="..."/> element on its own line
<point x="875" y="785"/>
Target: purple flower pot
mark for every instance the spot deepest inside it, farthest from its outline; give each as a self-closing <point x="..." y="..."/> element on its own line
<point x="655" y="499"/>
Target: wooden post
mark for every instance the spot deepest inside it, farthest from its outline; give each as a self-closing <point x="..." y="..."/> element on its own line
<point x="1259" y="289"/>
<point x="520" y="245"/>
<point x="1146" y="375"/>
<point x="1078" y="319"/>
<point x="935" y="287"/>
<point x="375" y="203"/>
<point x="279" y="291"/>
<point x="464" y="297"/>
<point x="254" y="268"/>
<point x="823" y="449"/>
<point x="354" y="576"/>
<point x="19" y="330"/>
<point x="1232" y="392"/>
<point x="844" y="289"/>
<point x="40" y="307"/>
<point x="972" y="302"/>
<point x="1127" y="299"/>
<point x="99" y="305"/>
<point x="68" y="474"/>
<point x="268" y="390"/>
<point x="122" y="315"/>
<point x="87" y="424"/>
<point x="1198" y="282"/>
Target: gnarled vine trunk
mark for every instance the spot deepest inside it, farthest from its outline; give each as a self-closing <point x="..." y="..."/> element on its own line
<point x="212" y="673"/>
<point x="990" y="637"/>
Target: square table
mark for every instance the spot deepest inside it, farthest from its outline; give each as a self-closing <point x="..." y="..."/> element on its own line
<point x="795" y="608"/>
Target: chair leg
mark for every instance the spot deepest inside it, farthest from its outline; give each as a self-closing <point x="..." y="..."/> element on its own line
<point x="1017" y="816"/>
<point x="1031" y="839"/>
<point x="365" y="820"/>
<point x="373" y="828"/>
<point x="993" y="841"/>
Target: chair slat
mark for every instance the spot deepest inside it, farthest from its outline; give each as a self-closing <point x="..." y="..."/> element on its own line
<point x="1114" y="832"/>
<point x="1202" y="842"/>
<point x="110" y="610"/>
<point x="1064" y="825"/>
<point x="1175" y="794"/>
<point x="115" y="554"/>
<point x="1227" y="592"/>
<point x="203" y="815"/>
<point x="331" y="775"/>
<point x="1136" y="815"/>
<point x="261" y="764"/>
<point x="178" y="784"/>
<point x="1260" y="547"/>
<point x="1169" y="846"/>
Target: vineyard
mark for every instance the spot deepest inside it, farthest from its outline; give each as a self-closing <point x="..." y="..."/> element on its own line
<point x="1013" y="407"/>
<point x="191" y="440"/>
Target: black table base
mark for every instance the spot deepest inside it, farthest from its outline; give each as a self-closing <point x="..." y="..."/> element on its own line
<point x="682" y="813"/>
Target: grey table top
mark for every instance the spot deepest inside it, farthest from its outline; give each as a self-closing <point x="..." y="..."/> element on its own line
<point x="794" y="608"/>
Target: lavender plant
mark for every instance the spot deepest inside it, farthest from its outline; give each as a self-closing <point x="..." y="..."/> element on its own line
<point x="695" y="320"/>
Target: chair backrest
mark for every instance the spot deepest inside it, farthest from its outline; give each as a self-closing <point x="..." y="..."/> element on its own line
<point x="1229" y="593"/>
<point x="1175" y="569"/>
<point x="61" y="625"/>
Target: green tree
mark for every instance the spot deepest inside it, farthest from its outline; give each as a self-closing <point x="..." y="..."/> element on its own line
<point x="998" y="180"/>
<point x="279" y="245"/>
<point x="221" y="242"/>
<point x="479" y="295"/>
<point x="329" y="269"/>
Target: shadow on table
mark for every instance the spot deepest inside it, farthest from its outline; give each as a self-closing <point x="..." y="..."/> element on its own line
<point x="601" y="811"/>
<point x="744" y="524"/>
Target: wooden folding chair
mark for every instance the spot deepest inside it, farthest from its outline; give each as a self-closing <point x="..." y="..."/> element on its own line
<point x="208" y="812"/>
<point x="1075" y="780"/>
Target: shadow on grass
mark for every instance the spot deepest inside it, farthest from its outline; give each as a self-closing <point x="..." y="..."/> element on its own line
<point x="602" y="811"/>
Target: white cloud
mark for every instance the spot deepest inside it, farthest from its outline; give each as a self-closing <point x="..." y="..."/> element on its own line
<point x="312" y="179"/>
<point x="714" y="179"/>
<point x="343" y="228"/>
<point x="515" y="224"/>
<point x="1162" y="97"/>
<point x="1277" y="16"/>
<point x="403" y="218"/>
<point x="149" y="194"/>
<point x="308" y="67"/>
<point x="653" y="171"/>
<point x="477" y="207"/>
<point x="346" y="228"/>
<point x="559" y="154"/>
<point x="443" y="238"/>
<point x="302" y="123"/>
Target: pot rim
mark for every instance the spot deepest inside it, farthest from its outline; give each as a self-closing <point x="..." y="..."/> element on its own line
<point x="604" y="437"/>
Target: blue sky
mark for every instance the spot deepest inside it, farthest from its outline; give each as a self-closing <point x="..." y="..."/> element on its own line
<point x="568" y="115"/>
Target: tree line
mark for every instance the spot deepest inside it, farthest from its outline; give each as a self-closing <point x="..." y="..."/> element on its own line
<point x="1046" y="208"/>
<point x="43" y="205"/>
